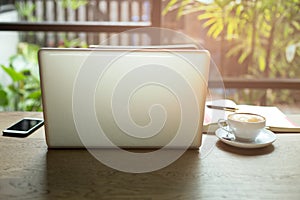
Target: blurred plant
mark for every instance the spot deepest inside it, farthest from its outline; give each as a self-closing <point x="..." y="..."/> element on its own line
<point x="258" y="31"/>
<point x="3" y="97"/>
<point x="23" y="93"/>
<point x="262" y="34"/>
<point x="74" y="43"/>
<point x="26" y="11"/>
<point x="73" y="4"/>
<point x="262" y="97"/>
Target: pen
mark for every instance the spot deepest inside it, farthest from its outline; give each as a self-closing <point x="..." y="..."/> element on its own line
<point x="222" y="108"/>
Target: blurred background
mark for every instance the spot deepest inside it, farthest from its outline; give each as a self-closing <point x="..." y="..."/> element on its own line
<point x="254" y="43"/>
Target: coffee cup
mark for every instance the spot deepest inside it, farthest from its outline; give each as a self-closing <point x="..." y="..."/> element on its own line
<point x="244" y="126"/>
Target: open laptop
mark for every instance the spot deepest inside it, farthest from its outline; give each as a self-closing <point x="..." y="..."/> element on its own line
<point x="145" y="98"/>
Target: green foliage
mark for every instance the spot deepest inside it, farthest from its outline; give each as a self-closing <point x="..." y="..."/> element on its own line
<point x="25" y="10"/>
<point x="3" y="97"/>
<point x="259" y="31"/>
<point x="15" y="76"/>
<point x="260" y="96"/>
<point x="77" y="42"/>
<point x="73" y="4"/>
<point x="23" y="93"/>
<point x="28" y="52"/>
<point x="263" y="35"/>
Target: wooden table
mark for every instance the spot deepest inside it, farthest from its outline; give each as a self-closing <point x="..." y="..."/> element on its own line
<point x="29" y="171"/>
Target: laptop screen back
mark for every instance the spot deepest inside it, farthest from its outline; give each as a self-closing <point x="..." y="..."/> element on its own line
<point x="128" y="98"/>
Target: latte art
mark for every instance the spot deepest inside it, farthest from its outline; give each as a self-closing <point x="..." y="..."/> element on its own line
<point x="244" y="126"/>
<point x="247" y="118"/>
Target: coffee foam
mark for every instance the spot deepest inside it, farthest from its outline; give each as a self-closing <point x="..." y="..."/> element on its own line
<point x="246" y="118"/>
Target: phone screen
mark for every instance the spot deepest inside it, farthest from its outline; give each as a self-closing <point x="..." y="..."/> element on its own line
<point x="24" y="125"/>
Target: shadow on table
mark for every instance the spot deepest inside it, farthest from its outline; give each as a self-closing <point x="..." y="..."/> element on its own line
<point x="77" y="174"/>
<point x="247" y="152"/>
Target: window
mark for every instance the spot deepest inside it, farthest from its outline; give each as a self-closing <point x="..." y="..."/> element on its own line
<point x="258" y="60"/>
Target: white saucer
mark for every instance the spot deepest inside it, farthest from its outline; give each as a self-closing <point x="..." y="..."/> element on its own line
<point x="264" y="138"/>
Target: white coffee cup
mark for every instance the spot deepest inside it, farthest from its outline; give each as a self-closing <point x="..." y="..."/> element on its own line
<point x="244" y="126"/>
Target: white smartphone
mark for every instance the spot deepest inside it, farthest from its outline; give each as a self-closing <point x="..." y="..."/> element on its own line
<point x="24" y="127"/>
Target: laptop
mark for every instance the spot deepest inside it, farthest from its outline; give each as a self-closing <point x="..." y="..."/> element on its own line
<point x="134" y="98"/>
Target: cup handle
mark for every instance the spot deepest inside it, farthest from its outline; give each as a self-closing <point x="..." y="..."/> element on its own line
<point x="221" y="125"/>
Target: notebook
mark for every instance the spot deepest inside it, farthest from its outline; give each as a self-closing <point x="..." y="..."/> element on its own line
<point x="276" y="120"/>
<point x="118" y="97"/>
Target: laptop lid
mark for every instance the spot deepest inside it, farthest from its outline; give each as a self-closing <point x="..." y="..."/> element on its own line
<point x="128" y="98"/>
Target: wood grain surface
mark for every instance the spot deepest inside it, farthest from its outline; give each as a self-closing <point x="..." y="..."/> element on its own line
<point x="28" y="170"/>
